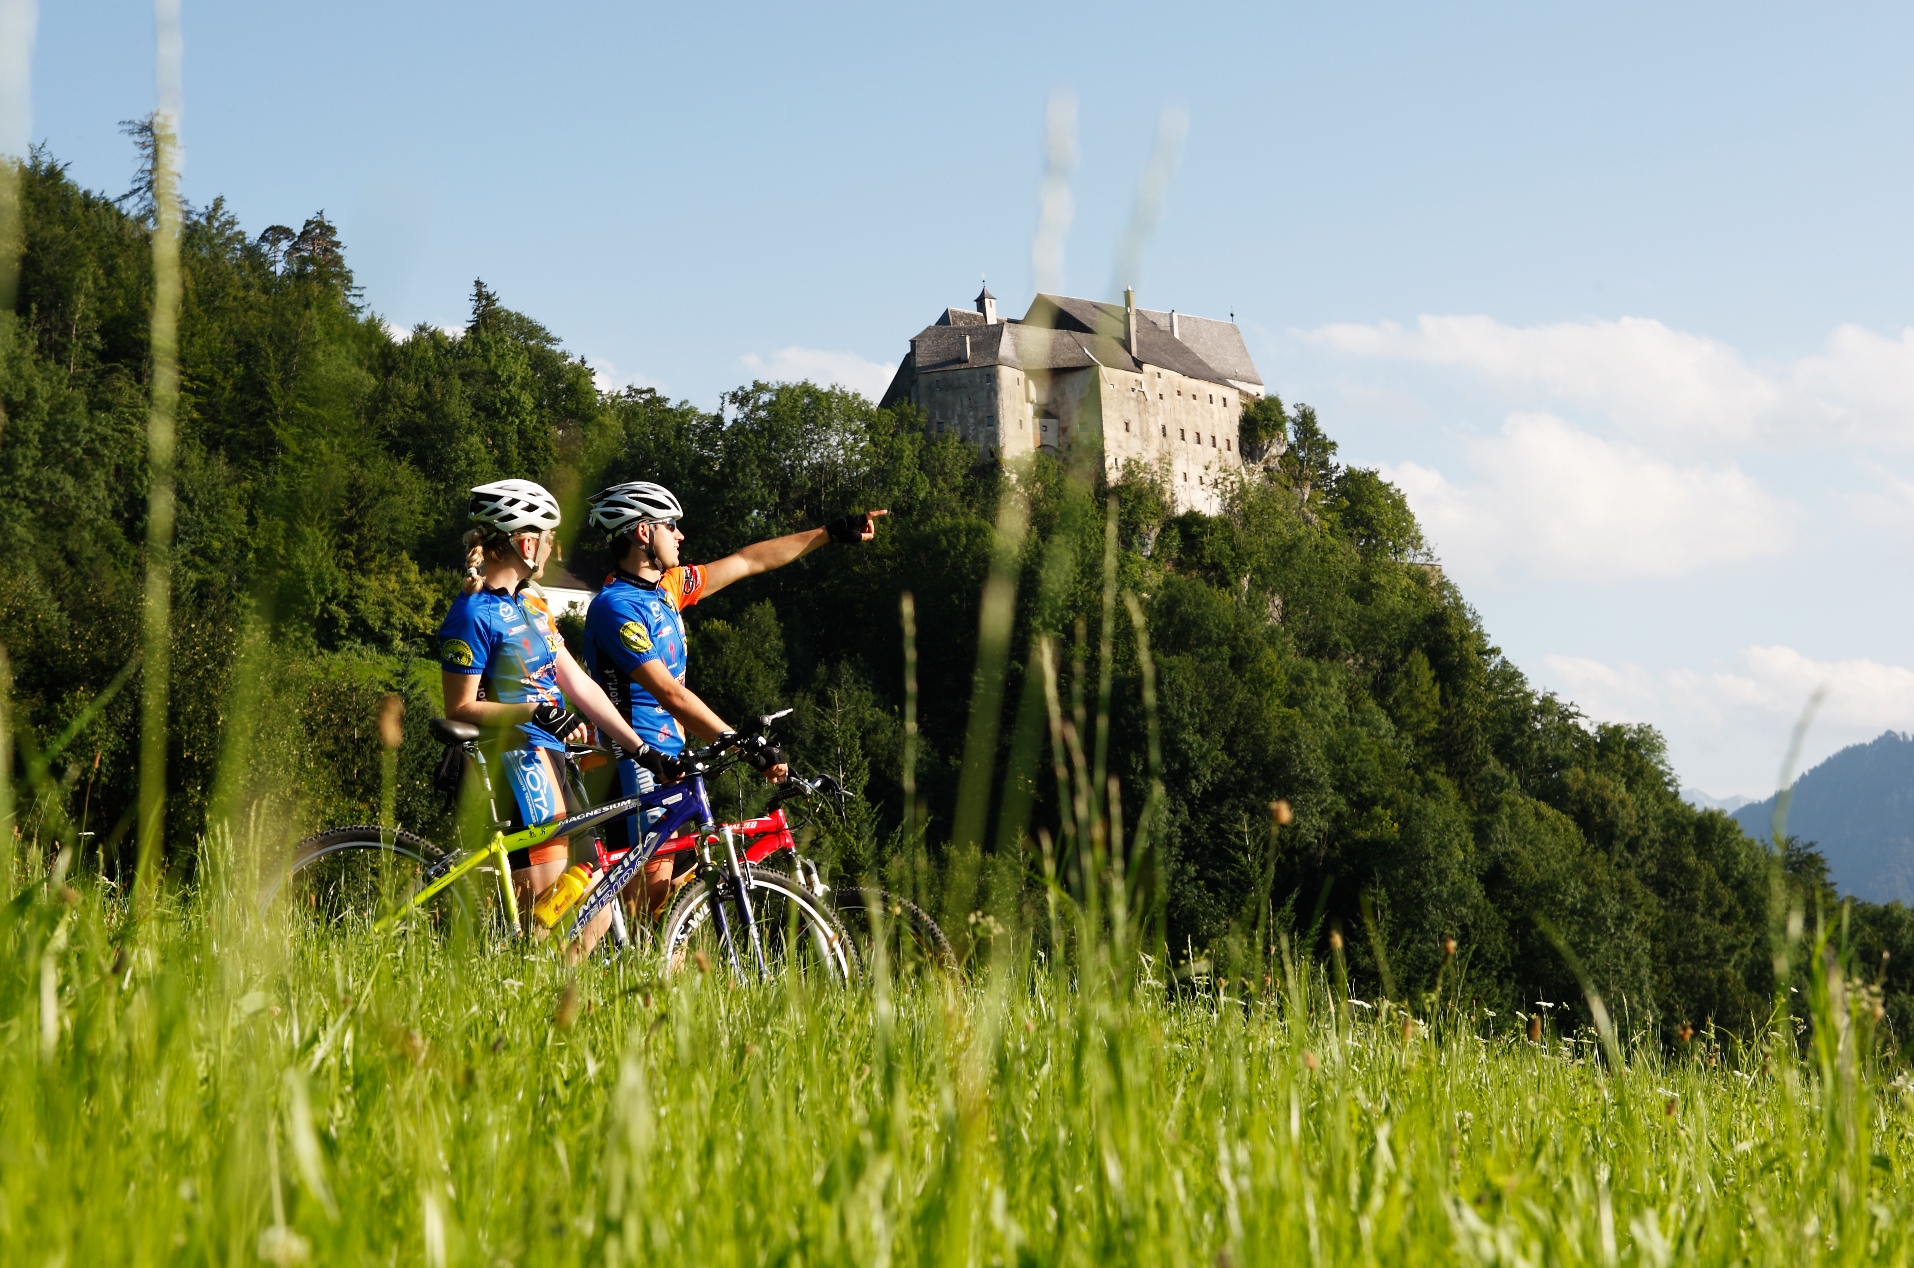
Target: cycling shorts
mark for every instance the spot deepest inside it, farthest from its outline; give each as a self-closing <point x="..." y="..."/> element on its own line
<point x="537" y="797"/>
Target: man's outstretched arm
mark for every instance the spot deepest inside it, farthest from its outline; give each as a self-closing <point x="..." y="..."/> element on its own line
<point x="766" y="556"/>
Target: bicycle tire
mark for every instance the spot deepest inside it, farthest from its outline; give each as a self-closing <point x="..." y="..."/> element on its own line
<point x="912" y="939"/>
<point x="795" y="927"/>
<point x="355" y="874"/>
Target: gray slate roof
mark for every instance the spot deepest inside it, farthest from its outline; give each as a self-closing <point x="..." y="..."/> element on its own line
<point x="1061" y="332"/>
<point x="1219" y="343"/>
<point x="1155" y="345"/>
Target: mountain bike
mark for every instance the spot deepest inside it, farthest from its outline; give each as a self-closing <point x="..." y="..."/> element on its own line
<point x="758" y="920"/>
<point x="913" y="940"/>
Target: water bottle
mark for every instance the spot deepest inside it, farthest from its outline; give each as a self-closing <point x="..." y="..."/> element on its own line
<point x="563" y="896"/>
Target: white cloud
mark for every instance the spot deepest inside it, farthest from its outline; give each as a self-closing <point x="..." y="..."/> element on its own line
<point x="1552" y="501"/>
<point x="1868" y="380"/>
<point x="1651" y="380"/>
<point x="1667" y="385"/>
<point x="1753" y="705"/>
<point x="399" y="334"/>
<point x="1890" y="505"/>
<point x="845" y="369"/>
<point x="607" y="377"/>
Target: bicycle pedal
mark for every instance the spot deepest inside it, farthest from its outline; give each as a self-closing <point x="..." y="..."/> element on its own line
<point x="443" y="866"/>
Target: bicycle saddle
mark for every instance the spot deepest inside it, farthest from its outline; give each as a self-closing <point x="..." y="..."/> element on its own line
<point x="446" y="731"/>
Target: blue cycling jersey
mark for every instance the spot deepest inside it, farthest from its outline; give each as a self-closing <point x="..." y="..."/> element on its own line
<point x="630" y="622"/>
<point x="510" y="642"/>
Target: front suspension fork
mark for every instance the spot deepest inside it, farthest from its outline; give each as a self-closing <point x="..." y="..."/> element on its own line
<point x="507" y="893"/>
<point x="731" y="874"/>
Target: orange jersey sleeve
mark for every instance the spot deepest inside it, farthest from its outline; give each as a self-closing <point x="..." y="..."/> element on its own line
<point x="684" y="584"/>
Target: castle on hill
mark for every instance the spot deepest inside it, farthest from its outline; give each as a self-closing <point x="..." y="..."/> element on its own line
<point x="1163" y="388"/>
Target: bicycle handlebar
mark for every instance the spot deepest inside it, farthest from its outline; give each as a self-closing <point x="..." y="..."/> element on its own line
<point x="704" y="761"/>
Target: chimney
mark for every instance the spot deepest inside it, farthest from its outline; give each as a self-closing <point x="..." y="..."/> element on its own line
<point x="987" y="305"/>
<point x="966" y="349"/>
<point x="1129" y="319"/>
<point x="1175" y="331"/>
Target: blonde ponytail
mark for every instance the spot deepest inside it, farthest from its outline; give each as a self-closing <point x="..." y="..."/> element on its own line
<point x="488" y="545"/>
<point x="474" y="540"/>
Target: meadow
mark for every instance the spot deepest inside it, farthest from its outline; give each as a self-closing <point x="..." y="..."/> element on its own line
<point x="206" y="1083"/>
<point x="187" y="1078"/>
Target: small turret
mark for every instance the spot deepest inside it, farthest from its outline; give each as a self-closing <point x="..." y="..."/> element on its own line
<point x="987" y="305"/>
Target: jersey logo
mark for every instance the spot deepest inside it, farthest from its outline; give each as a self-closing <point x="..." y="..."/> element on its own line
<point x="456" y="651"/>
<point x="634" y="635"/>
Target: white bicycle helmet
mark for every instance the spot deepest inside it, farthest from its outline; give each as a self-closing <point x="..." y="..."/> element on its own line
<point x="514" y="506"/>
<point x="625" y="506"/>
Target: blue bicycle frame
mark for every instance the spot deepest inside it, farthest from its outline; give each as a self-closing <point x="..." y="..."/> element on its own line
<point x="680" y="807"/>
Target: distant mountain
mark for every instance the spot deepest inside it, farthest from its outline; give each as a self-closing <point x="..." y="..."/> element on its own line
<point x="1859" y="807"/>
<point x="1702" y="801"/>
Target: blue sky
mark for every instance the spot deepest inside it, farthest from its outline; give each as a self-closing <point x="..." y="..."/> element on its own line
<point x="1619" y="294"/>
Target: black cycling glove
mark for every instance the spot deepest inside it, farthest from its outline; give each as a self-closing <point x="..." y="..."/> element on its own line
<point x="667" y="768"/>
<point x="760" y="754"/>
<point x="848" y="528"/>
<point x="556" y="721"/>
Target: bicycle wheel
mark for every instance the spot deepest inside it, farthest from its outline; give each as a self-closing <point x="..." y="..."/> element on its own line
<point x="912" y="940"/>
<point x="795" y="928"/>
<point x="354" y="875"/>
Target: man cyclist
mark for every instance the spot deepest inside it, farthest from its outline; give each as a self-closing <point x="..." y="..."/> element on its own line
<point x="635" y="633"/>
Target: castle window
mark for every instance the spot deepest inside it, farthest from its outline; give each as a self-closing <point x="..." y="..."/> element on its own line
<point x="1226" y="442"/>
<point x="1186" y="477"/>
<point x="1212" y="440"/>
<point x="1159" y="396"/>
<point x="1181" y="434"/>
<point x="1212" y="398"/>
<point x="1165" y="431"/>
<point x="1126" y="424"/>
<point x="1226" y="402"/>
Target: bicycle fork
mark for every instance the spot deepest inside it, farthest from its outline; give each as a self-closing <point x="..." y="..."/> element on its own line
<point x="731" y="875"/>
<point x="507" y="892"/>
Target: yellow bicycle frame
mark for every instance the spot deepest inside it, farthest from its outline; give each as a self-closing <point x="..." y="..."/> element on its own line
<point x="498" y="853"/>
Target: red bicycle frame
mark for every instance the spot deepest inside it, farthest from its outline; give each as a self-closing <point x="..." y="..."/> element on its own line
<point x="760" y="838"/>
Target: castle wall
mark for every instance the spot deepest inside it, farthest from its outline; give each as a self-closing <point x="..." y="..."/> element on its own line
<point x="1182" y="426"/>
<point x="963" y="402"/>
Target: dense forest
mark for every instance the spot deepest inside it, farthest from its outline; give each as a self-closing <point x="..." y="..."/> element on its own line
<point x="1304" y="644"/>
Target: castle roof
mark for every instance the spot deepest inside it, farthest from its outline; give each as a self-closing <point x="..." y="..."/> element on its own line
<point x="1062" y="332"/>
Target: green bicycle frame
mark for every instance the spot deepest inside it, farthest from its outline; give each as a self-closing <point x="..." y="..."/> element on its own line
<point x="498" y="851"/>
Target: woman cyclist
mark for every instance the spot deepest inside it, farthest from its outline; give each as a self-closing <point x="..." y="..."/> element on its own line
<point x="505" y="668"/>
<point x="635" y="633"/>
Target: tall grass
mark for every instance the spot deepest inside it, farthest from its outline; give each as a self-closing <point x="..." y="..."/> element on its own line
<point x="161" y="438"/>
<point x="224" y="1088"/>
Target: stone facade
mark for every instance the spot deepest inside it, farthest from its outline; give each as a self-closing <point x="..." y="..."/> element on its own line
<point x="1162" y="389"/>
